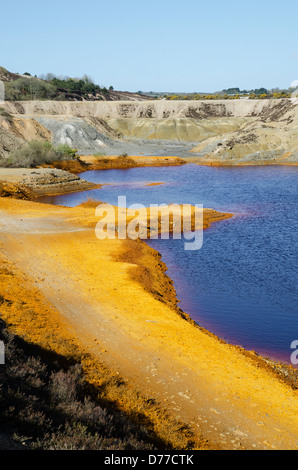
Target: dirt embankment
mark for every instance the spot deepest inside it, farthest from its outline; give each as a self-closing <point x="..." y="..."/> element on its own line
<point x="161" y="109"/>
<point x="16" y="131"/>
<point x="25" y="183"/>
<point x="17" y="191"/>
<point x="122" y="162"/>
<point x="223" y="132"/>
<point x="113" y="162"/>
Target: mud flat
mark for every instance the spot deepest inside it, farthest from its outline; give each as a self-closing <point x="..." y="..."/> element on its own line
<point x="113" y="300"/>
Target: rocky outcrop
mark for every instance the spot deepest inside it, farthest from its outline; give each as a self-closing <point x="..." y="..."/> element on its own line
<point x="40" y="182"/>
<point x="17" y="191"/>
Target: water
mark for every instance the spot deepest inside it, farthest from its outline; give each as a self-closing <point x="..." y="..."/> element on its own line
<point x="242" y="284"/>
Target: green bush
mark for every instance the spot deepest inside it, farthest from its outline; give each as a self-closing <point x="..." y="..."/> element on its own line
<point x="4" y="114"/>
<point x="29" y="89"/>
<point x="66" y="151"/>
<point x="37" y="153"/>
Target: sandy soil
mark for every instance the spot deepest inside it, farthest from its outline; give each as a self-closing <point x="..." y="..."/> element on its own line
<point x="112" y="162"/>
<point x="117" y="162"/>
<point x="230" y="397"/>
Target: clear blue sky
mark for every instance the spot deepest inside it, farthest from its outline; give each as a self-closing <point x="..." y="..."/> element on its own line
<point x="160" y="45"/>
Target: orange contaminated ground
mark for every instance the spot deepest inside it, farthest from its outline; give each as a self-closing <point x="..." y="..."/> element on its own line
<point x="111" y="302"/>
<point x="108" y="162"/>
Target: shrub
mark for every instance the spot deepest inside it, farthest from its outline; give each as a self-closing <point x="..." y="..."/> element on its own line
<point x="66" y="151"/>
<point x="90" y="202"/>
<point x="29" y="89"/>
<point x="37" y="153"/>
<point x="4" y="114"/>
<point x="47" y="403"/>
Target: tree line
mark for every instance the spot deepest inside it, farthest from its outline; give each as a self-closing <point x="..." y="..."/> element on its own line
<point x="50" y="87"/>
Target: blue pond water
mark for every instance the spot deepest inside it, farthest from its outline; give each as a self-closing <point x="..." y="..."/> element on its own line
<point x="242" y="284"/>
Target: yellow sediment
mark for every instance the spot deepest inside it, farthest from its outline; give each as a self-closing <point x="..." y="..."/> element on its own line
<point x="140" y="160"/>
<point x="108" y="162"/>
<point x="113" y="301"/>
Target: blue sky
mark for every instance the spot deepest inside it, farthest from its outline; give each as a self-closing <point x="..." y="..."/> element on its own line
<point x="155" y="45"/>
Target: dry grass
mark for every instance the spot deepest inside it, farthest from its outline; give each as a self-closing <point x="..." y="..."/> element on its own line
<point x="74" y="166"/>
<point x="91" y="202"/>
<point x="47" y="399"/>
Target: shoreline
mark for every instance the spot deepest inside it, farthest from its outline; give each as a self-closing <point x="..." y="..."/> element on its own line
<point x="240" y="164"/>
<point x="114" y="162"/>
<point x="281" y="369"/>
<point x="166" y="353"/>
<point x="63" y="177"/>
<point x="13" y="187"/>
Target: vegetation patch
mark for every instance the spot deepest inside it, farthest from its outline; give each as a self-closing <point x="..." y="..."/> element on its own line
<point x="36" y="153"/>
<point x="45" y="403"/>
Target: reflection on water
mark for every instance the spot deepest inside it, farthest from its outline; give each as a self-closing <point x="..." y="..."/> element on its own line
<point x="242" y="284"/>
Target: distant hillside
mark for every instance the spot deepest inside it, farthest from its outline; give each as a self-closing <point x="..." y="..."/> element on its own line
<point x="23" y="87"/>
<point x="226" y="132"/>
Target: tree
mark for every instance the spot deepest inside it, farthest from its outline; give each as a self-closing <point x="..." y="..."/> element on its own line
<point x="34" y="88"/>
<point x="50" y="77"/>
<point x="87" y="79"/>
<point x="260" y="91"/>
